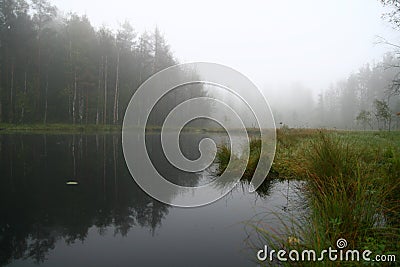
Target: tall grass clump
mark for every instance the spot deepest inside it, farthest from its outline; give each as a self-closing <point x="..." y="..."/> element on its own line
<point x="222" y="158"/>
<point x="346" y="197"/>
<point x="224" y="153"/>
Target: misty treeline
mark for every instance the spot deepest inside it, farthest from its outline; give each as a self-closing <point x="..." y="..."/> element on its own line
<point x="370" y="98"/>
<point x="56" y="68"/>
<point x="367" y="99"/>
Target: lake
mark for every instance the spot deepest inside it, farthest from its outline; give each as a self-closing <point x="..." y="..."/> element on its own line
<point x="107" y="220"/>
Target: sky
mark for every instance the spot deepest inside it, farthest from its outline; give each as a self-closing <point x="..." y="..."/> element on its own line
<point x="275" y="43"/>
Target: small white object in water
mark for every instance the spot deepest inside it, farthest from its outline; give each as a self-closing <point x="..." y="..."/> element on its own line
<point x="72" y="183"/>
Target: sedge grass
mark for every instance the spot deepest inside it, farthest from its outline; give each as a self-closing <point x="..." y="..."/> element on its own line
<point x="351" y="190"/>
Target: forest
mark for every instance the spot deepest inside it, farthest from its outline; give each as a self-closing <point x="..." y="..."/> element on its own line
<point x="56" y="68"/>
<point x="68" y="197"/>
<point x="368" y="99"/>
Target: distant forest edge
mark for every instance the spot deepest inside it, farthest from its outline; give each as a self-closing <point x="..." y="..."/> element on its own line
<point x="57" y="69"/>
<point x="367" y="100"/>
<point x="60" y="69"/>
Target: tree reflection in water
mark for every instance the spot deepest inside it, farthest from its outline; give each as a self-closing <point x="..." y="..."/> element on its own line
<point x="38" y="209"/>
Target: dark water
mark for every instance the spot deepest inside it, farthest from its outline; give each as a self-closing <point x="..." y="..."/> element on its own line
<point x="107" y="220"/>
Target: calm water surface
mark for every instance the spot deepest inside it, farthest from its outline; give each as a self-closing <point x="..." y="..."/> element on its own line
<point x="107" y="220"/>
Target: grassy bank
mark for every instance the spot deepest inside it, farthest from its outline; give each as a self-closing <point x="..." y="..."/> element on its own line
<point x="57" y="128"/>
<point x="94" y="128"/>
<point x="351" y="190"/>
<point x="82" y="128"/>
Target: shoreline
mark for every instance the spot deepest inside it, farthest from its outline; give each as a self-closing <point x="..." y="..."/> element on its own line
<point x="59" y="128"/>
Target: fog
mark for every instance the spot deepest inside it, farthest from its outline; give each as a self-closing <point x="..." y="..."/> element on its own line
<point x="292" y="50"/>
<point x="319" y="63"/>
<point x="273" y="42"/>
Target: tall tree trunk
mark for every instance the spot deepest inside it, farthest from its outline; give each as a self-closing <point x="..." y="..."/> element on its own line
<point x="105" y="93"/>
<point x="45" y="98"/>
<point x="23" y="104"/>
<point x="81" y="103"/>
<point x="98" y="93"/>
<point x="74" y="100"/>
<point x="118" y="106"/>
<point x="39" y="72"/>
<point x="70" y="112"/>
<point x="116" y="92"/>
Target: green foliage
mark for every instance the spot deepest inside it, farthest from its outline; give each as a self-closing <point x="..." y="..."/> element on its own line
<point x="224" y="153"/>
<point x="364" y="117"/>
<point x="351" y="190"/>
<point x="42" y="53"/>
<point x="383" y="112"/>
<point x="349" y="104"/>
<point x="222" y="158"/>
